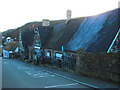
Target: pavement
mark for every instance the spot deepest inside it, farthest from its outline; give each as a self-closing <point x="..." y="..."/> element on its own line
<point x="18" y="74"/>
<point x="0" y="73"/>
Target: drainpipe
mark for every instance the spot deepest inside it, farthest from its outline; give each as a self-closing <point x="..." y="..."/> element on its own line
<point x="113" y="41"/>
<point x="62" y="49"/>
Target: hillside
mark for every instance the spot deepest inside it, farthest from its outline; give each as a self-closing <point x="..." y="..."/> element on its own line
<point x="15" y="32"/>
<point x="8" y="32"/>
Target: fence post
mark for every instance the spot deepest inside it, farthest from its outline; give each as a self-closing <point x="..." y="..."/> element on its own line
<point x="45" y="55"/>
<point x="64" y="60"/>
<point x="52" y="56"/>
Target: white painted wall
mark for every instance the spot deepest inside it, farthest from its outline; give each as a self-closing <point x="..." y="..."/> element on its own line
<point x="16" y="50"/>
<point x="5" y="54"/>
<point x="48" y="54"/>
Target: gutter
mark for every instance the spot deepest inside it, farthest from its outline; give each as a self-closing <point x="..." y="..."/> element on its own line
<point x="113" y="41"/>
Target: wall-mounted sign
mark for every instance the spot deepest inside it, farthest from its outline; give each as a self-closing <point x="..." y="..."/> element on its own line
<point x="36" y="47"/>
<point x="59" y="56"/>
<point x="10" y="51"/>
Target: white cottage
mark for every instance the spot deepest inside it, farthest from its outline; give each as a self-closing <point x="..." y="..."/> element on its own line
<point x="10" y="49"/>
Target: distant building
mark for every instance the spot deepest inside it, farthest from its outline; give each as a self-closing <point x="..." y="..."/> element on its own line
<point x="10" y="49"/>
<point x="7" y="40"/>
<point x="45" y="22"/>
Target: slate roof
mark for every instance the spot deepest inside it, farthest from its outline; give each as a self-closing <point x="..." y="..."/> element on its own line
<point x="65" y="32"/>
<point x="27" y="36"/>
<point x="96" y="33"/>
<point x="93" y="34"/>
<point x="11" y="46"/>
<point x="45" y="33"/>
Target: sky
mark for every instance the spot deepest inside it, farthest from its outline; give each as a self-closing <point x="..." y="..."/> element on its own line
<point x="15" y="13"/>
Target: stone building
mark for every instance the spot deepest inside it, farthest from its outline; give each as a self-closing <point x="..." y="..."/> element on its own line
<point x="10" y="49"/>
<point x="92" y="34"/>
<point x="34" y="40"/>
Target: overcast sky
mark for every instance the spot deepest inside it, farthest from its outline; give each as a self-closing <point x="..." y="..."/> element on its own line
<point x="14" y="13"/>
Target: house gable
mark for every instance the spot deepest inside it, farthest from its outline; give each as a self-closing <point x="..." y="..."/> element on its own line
<point x="37" y="41"/>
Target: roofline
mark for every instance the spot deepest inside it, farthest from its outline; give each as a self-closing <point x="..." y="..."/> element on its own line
<point x="113" y="41"/>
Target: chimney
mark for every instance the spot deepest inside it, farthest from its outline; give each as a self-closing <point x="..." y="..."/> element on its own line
<point x="68" y="14"/>
<point x="45" y="22"/>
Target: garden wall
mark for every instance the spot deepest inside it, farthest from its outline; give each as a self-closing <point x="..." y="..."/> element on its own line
<point x="100" y="65"/>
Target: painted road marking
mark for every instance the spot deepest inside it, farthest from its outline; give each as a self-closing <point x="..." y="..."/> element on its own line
<point x="5" y="62"/>
<point x="40" y="76"/>
<point x="82" y="83"/>
<point x="22" y="68"/>
<point x="61" y="85"/>
<point x="35" y="73"/>
<point x="27" y="72"/>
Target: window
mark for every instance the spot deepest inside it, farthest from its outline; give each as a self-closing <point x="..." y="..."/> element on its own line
<point x="48" y="54"/>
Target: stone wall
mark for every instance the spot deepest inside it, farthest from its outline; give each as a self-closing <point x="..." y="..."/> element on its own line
<point x="103" y="65"/>
<point x="99" y="65"/>
<point x="64" y="60"/>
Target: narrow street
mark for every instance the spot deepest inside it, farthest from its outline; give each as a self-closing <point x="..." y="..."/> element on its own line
<point x="18" y="74"/>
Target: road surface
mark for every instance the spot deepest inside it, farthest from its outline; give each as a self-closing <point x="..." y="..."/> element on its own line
<point x="18" y="74"/>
